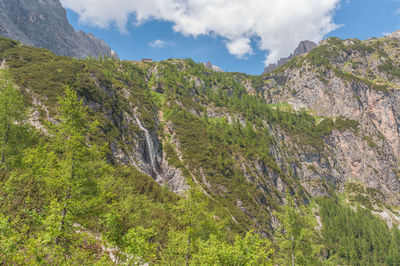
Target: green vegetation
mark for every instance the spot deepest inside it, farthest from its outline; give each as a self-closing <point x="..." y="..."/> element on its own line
<point x="11" y="112"/>
<point x="389" y="67"/>
<point x="355" y="237"/>
<point x="321" y="55"/>
<point x="324" y="56"/>
<point x="370" y="142"/>
<point x="69" y="191"/>
<point x="297" y="235"/>
<point x="63" y="186"/>
<point x="352" y="78"/>
<point x="368" y="197"/>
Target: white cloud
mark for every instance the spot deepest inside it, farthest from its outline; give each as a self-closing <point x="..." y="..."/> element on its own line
<point x="278" y="25"/>
<point x="160" y="44"/>
<point x="240" y="47"/>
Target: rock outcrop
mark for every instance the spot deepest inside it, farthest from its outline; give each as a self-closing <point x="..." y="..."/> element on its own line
<point x="303" y="48"/>
<point x="210" y="66"/>
<point x="43" y="23"/>
<point x="356" y="80"/>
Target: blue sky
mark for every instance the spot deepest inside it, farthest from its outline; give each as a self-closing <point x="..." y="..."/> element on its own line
<point x="357" y="19"/>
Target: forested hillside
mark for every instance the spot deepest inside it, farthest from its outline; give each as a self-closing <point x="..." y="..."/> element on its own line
<point x="107" y="161"/>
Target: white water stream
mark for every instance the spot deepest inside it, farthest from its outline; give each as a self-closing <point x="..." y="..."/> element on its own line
<point x="150" y="147"/>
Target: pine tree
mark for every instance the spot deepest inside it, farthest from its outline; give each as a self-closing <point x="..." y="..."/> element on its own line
<point x="249" y="250"/>
<point x="196" y="223"/>
<point x="75" y="165"/>
<point x="296" y="236"/>
<point x="11" y="114"/>
<point x="393" y="255"/>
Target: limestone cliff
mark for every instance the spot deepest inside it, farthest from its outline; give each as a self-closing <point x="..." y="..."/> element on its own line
<point x="357" y="80"/>
<point x="43" y="23"/>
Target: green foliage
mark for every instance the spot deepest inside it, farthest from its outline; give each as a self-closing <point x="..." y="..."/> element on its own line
<point x="291" y="64"/>
<point x="370" y="142"/>
<point x="12" y="114"/>
<point x="62" y="190"/>
<point x="344" y="123"/>
<point x="159" y="99"/>
<point x="296" y="237"/>
<point x="335" y="41"/>
<point x="201" y="241"/>
<point x="23" y="243"/>
<point x="389" y="67"/>
<point x="138" y="247"/>
<point x="352" y="78"/>
<point x="320" y="56"/>
<point x="325" y="55"/>
<point x="54" y="187"/>
<point x="74" y="165"/>
<point x="211" y="145"/>
<point x="250" y="250"/>
<point x="366" y="197"/>
<point x="356" y="237"/>
<point x="9" y="239"/>
<point x="299" y="124"/>
<point x="362" y="47"/>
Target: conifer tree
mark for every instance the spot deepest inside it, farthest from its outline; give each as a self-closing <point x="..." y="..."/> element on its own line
<point x="75" y="164"/>
<point x="11" y="114"/>
<point x="296" y="236"/>
<point x="249" y="250"/>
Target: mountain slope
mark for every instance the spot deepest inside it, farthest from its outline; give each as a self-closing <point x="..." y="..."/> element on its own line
<point x="324" y="124"/>
<point x="234" y="134"/>
<point x="357" y="80"/>
<point x="45" y="24"/>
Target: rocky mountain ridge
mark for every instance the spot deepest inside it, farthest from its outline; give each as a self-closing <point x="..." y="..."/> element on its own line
<point x="303" y="48"/>
<point x="44" y="24"/>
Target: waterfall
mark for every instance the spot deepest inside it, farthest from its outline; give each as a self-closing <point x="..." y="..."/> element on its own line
<point x="150" y="147"/>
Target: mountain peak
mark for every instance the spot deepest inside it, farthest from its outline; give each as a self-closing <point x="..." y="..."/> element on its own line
<point x="44" y="23"/>
<point x="303" y="48"/>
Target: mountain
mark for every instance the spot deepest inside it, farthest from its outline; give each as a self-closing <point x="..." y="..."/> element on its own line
<point x="303" y="48"/>
<point x="43" y="23"/>
<point x="323" y="119"/>
<point x="357" y="80"/>
<point x="323" y="128"/>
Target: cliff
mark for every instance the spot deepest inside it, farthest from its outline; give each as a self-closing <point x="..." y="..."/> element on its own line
<point x="44" y="24"/>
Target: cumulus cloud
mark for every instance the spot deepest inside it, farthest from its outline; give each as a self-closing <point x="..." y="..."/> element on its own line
<point x="240" y="47"/>
<point x="160" y="44"/>
<point x="276" y="25"/>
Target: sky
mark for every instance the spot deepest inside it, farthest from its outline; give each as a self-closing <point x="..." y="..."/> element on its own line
<point x="236" y="35"/>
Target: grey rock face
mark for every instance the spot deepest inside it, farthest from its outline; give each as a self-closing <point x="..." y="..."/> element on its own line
<point x="371" y="155"/>
<point x="303" y="48"/>
<point x="394" y="35"/>
<point x="43" y="23"/>
<point x="208" y="65"/>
